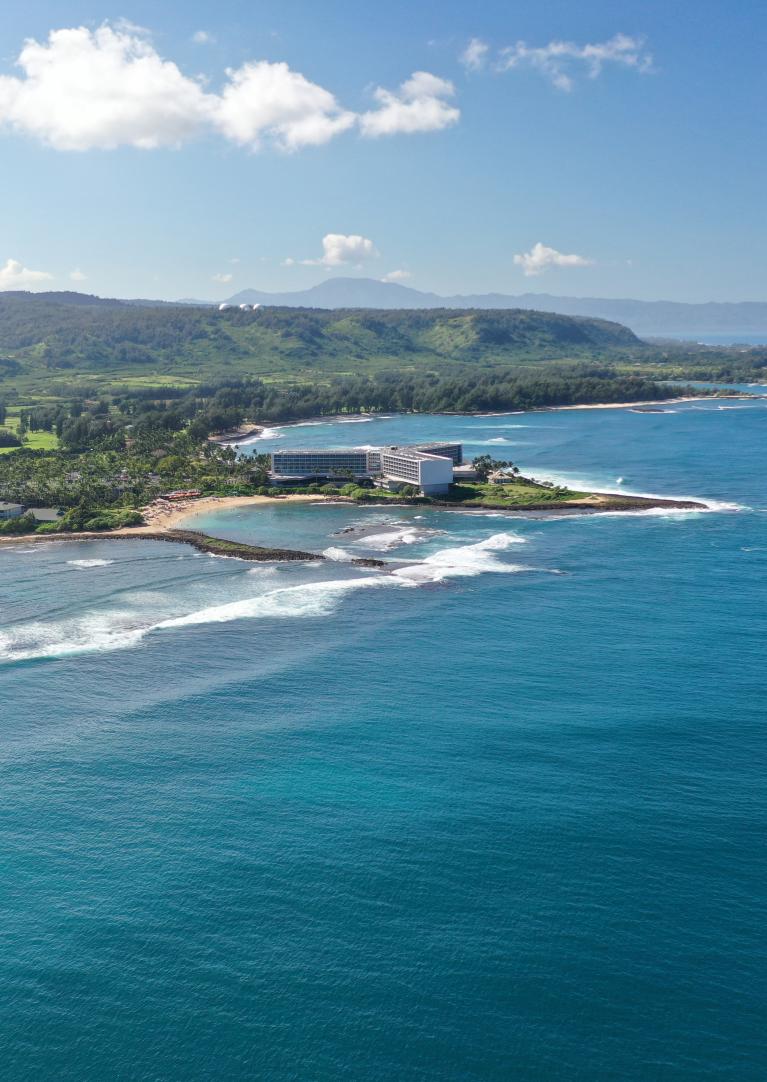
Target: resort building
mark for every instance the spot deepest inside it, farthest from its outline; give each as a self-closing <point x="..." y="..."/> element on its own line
<point x="10" y="510"/>
<point x="432" y="474"/>
<point x="301" y="465"/>
<point x="428" y="467"/>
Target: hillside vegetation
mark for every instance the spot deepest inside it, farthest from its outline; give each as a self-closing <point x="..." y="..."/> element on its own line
<point x="52" y="337"/>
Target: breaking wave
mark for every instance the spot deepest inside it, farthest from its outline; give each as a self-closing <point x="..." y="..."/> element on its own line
<point x="113" y="629"/>
<point x="92" y="632"/>
<point x="89" y="563"/>
<point x="312" y="599"/>
<point x="338" y="554"/>
<point x="396" y="538"/>
<point x="464" y="561"/>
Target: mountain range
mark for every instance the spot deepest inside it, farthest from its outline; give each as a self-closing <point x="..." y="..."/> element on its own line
<point x="643" y="317"/>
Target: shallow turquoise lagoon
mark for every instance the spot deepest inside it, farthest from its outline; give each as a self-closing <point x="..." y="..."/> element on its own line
<point x="495" y="813"/>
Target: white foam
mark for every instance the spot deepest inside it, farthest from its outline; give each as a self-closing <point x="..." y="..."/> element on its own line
<point x="311" y="599"/>
<point x="496" y="441"/>
<point x="464" y="561"/>
<point x="338" y="554"/>
<point x="90" y="633"/>
<point x="89" y="563"/>
<point x="392" y="539"/>
<point x="120" y="629"/>
<point x="578" y="484"/>
<point x="264" y="434"/>
<point x="353" y="420"/>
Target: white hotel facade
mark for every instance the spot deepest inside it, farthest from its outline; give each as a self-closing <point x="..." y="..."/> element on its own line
<point x="428" y="467"/>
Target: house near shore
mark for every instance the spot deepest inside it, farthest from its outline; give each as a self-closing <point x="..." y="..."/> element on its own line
<point x="10" y="510"/>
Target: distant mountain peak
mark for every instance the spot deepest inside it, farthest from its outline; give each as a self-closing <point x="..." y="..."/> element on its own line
<point x="643" y="317"/>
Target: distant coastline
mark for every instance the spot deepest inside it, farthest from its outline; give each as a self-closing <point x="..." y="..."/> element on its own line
<point x="253" y="432"/>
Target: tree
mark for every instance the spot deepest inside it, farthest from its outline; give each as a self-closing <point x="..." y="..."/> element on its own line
<point x="486" y="464"/>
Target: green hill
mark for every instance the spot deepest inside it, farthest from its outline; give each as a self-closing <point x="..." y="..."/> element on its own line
<point x="52" y="337"/>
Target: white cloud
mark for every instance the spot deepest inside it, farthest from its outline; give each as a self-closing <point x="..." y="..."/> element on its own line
<point x="540" y="258"/>
<point x="223" y="278"/>
<point x="418" y="106"/>
<point x="85" y="89"/>
<point x="474" y="56"/>
<point x="269" y="100"/>
<point x="102" y="88"/>
<point x="338" y="249"/>
<point x="77" y="275"/>
<point x="202" y="37"/>
<point x="559" y="59"/>
<point x="397" y="276"/>
<point x="15" y="275"/>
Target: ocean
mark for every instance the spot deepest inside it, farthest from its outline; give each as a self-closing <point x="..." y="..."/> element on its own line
<point x="497" y="813"/>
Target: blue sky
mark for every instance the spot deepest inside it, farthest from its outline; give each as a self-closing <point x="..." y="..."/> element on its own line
<point x="634" y="155"/>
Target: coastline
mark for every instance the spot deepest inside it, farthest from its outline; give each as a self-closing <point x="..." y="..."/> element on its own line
<point x="659" y="402"/>
<point x="256" y="432"/>
<point x="165" y="525"/>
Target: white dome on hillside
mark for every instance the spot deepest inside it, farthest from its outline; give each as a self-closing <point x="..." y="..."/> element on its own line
<point x="244" y="307"/>
<point x="223" y="307"/>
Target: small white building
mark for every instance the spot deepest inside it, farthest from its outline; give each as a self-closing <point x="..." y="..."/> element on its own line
<point x="10" y="510"/>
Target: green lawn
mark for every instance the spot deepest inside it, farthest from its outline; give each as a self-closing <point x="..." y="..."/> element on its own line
<point x="520" y="493"/>
<point x="37" y="441"/>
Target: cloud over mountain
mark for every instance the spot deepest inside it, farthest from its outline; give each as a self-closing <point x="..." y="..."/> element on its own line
<point x="540" y="258"/>
<point x="85" y="89"/>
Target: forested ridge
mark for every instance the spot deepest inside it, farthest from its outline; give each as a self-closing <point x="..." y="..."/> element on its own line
<point x="54" y="336"/>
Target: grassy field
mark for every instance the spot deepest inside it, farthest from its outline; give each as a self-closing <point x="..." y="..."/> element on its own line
<point x="522" y="493"/>
<point x="37" y="441"/>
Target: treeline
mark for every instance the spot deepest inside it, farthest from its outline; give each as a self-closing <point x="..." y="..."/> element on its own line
<point x="97" y="337"/>
<point x="141" y="415"/>
<point x="231" y="403"/>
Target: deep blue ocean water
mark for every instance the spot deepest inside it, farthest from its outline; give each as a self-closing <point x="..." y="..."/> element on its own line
<point x="496" y="814"/>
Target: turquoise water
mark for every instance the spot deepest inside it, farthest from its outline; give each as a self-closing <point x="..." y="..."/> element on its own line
<point x="497" y="813"/>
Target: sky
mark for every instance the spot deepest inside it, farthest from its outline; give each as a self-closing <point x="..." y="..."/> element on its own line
<point x="603" y="149"/>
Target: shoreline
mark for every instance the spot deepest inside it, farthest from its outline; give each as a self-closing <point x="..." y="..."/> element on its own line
<point x="165" y="526"/>
<point x="256" y="431"/>
<point x="651" y="402"/>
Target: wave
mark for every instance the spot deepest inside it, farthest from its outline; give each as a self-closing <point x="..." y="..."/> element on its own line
<point x="89" y="563"/>
<point x="353" y="420"/>
<point x="496" y="441"/>
<point x="311" y="599"/>
<point x="338" y="554"/>
<point x="580" y="484"/>
<point x="464" y="561"/>
<point x="395" y="538"/>
<point x="114" y="629"/>
<point x="264" y="434"/>
<point x="90" y="633"/>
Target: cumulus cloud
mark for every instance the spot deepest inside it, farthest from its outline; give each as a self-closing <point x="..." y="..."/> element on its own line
<point x="15" y="275"/>
<point x="339" y="249"/>
<point x="540" y="258"/>
<point x="223" y="278"/>
<point x="474" y="56"/>
<point x="85" y="89"/>
<point x="397" y="276"/>
<point x="559" y="60"/>
<point x="418" y="105"/>
<point x="77" y="275"/>
<point x="102" y="88"/>
<point x="269" y="100"/>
